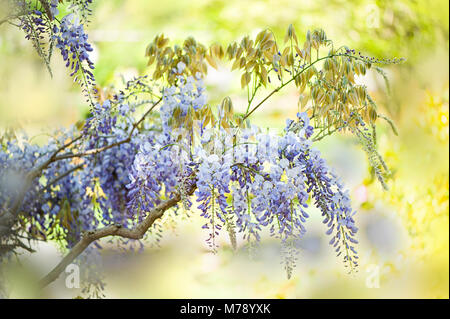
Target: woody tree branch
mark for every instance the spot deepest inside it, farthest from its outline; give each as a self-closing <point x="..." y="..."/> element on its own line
<point x="113" y="230"/>
<point x="9" y="217"/>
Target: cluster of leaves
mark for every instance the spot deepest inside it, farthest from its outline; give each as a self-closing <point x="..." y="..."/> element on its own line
<point x="327" y="83"/>
<point x="124" y="162"/>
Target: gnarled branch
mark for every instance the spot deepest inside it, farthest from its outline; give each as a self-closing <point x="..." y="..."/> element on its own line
<point x="113" y="230"/>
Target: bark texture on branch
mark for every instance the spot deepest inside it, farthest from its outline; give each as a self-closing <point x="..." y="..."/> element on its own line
<point x="113" y="230"/>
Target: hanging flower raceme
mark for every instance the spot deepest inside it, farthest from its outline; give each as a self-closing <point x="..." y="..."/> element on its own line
<point x="334" y="202"/>
<point x="73" y="44"/>
<point x="155" y="171"/>
<point x="246" y="178"/>
<point x="182" y="100"/>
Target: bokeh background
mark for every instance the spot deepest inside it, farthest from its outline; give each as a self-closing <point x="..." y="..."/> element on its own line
<point x="404" y="232"/>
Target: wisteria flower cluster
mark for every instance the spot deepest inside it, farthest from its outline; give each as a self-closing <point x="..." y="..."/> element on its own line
<point x="265" y="183"/>
<point x="42" y="26"/>
<point x="71" y="40"/>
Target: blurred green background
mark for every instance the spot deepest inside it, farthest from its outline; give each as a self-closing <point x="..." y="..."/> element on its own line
<point x="403" y="232"/>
